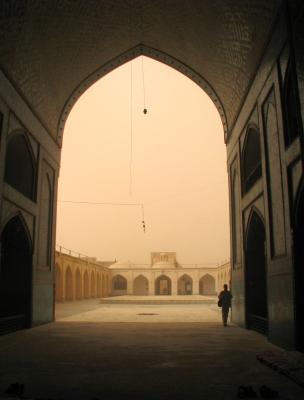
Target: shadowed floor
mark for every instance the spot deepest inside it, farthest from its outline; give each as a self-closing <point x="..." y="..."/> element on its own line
<point x="138" y="360"/>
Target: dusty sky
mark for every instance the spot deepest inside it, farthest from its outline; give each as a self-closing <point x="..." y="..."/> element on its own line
<point x="178" y="170"/>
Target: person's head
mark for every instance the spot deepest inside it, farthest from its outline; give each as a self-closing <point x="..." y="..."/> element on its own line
<point x="225" y="286"/>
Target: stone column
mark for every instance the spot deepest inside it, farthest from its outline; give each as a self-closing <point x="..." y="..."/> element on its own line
<point x="152" y="285"/>
<point x="63" y="283"/>
<point x="174" y="284"/>
<point x="130" y="284"/>
<point x="195" y="283"/>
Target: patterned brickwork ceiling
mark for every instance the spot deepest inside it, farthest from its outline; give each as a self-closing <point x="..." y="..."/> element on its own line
<point x="49" y="48"/>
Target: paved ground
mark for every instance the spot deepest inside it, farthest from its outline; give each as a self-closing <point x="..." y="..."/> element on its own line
<point x="92" y="311"/>
<point x="180" y="299"/>
<point x="138" y="360"/>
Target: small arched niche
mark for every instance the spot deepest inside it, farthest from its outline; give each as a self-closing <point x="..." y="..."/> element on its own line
<point x="20" y="166"/>
<point x="251" y="159"/>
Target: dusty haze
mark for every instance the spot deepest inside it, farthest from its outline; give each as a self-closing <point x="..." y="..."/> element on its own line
<point x="179" y="169"/>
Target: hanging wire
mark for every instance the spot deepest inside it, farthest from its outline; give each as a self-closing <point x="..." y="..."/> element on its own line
<point x="143" y="83"/>
<point x="131" y="133"/>
<point x="111" y="204"/>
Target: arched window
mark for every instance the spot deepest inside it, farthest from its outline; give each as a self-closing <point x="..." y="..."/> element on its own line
<point x="251" y="159"/>
<point x="20" y="165"/>
<point x="291" y="112"/>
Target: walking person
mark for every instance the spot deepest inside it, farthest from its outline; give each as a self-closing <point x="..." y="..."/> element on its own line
<point x="225" y="303"/>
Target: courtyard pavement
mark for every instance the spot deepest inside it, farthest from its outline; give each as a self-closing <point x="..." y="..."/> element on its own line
<point x="81" y="356"/>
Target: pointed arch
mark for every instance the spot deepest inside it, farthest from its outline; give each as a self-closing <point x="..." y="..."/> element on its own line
<point x="58" y="283"/>
<point x="185" y="285"/>
<point x="119" y="285"/>
<point x="15" y="275"/>
<point x="129" y="55"/>
<point x="78" y="285"/>
<point x="251" y="160"/>
<point x="255" y="273"/>
<point x="20" y="164"/>
<point x="98" y="285"/>
<point x="141" y="286"/>
<point x="163" y="285"/>
<point x="207" y="285"/>
<point x="93" y="284"/>
<point x="291" y="107"/>
<point x="86" y="285"/>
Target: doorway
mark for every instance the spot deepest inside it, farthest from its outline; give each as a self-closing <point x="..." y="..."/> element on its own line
<point x="15" y="276"/>
<point x="255" y="275"/>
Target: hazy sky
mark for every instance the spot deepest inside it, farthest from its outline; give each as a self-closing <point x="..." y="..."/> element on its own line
<point x="179" y="169"/>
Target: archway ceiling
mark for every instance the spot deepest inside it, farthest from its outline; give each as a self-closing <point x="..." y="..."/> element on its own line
<point x="49" y="47"/>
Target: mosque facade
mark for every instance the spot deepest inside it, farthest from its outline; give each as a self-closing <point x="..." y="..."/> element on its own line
<point x="79" y="278"/>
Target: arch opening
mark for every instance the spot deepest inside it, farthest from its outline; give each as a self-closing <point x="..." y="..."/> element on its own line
<point x="207" y="285"/>
<point x="255" y="275"/>
<point x="59" y="283"/>
<point x="15" y="276"/>
<point x="163" y="286"/>
<point x="119" y="285"/>
<point x="93" y="286"/>
<point x="69" y="292"/>
<point x="86" y="285"/>
<point x="98" y="285"/>
<point x="185" y="285"/>
<point x="141" y="286"/>
<point x="78" y="285"/>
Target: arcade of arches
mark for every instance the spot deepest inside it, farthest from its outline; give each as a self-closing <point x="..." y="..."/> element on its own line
<point x="83" y="278"/>
<point x="79" y="278"/>
<point x="247" y="56"/>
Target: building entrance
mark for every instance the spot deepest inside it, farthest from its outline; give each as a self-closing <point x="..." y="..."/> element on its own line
<point x="255" y="276"/>
<point x="15" y="277"/>
<point x="163" y="285"/>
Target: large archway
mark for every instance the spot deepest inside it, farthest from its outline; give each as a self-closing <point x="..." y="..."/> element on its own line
<point x="207" y="285"/>
<point x="141" y="286"/>
<point x="256" y="275"/>
<point x="15" y="276"/>
<point x="185" y="285"/>
<point x="163" y="286"/>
